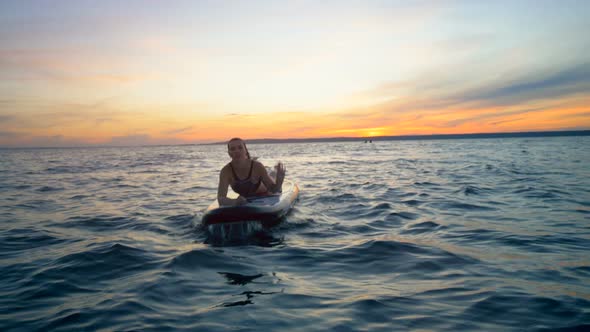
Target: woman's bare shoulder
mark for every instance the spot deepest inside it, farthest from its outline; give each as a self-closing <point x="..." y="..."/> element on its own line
<point x="225" y="170"/>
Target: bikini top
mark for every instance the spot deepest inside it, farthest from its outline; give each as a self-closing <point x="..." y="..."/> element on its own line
<point x="245" y="187"/>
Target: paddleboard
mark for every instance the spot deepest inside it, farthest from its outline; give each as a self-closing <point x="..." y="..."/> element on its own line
<point x="258" y="208"/>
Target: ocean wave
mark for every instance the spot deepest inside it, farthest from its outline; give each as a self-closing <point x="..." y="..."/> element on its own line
<point x="434" y="235"/>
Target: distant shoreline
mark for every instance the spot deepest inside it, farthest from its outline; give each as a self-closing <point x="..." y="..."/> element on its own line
<point x="346" y="139"/>
<point x="416" y="137"/>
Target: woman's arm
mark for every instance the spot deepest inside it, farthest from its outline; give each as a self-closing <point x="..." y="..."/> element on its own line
<point x="222" y="198"/>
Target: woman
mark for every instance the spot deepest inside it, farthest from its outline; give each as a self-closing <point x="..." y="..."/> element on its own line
<point x="246" y="176"/>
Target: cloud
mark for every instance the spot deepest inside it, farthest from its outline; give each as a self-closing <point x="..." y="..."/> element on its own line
<point x="239" y="115"/>
<point x="142" y="139"/>
<point x="177" y="131"/>
<point x="7" y="101"/>
<point x="68" y="66"/>
<point x="9" y="134"/>
<point x="584" y="115"/>
<point x="482" y="84"/>
<point x="442" y="100"/>
<point x="506" y="121"/>
<point x="101" y="121"/>
<point x="563" y="82"/>
<point x="19" y="139"/>
<point x="27" y="140"/>
<point x="7" y="118"/>
<point x="492" y="115"/>
<point x="60" y="119"/>
<point x="45" y="114"/>
<point x="472" y="42"/>
<point x="139" y="139"/>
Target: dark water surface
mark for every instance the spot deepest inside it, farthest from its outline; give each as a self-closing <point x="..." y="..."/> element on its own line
<point x="488" y="234"/>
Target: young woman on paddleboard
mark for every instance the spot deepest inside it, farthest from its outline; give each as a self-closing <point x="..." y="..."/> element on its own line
<point x="246" y="176"/>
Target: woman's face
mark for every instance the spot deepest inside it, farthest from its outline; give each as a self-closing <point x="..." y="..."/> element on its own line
<point x="237" y="149"/>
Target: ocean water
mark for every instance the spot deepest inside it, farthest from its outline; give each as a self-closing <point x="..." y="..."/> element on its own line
<point x="431" y="235"/>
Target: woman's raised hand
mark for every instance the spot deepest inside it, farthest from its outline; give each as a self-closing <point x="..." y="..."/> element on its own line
<point x="281" y="170"/>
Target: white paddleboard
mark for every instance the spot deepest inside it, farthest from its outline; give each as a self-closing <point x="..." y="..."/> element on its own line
<point x="259" y="208"/>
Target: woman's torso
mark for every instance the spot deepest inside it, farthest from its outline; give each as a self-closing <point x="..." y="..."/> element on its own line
<point x="250" y="185"/>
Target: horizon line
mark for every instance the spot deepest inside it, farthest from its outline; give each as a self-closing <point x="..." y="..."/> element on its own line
<point x="549" y="133"/>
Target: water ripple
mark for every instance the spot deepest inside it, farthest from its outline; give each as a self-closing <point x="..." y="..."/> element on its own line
<point x="476" y="235"/>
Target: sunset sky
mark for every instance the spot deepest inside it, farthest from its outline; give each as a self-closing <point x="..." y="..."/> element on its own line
<point x="164" y="72"/>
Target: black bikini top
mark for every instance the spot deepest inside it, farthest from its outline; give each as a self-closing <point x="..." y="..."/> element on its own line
<point x="245" y="187"/>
